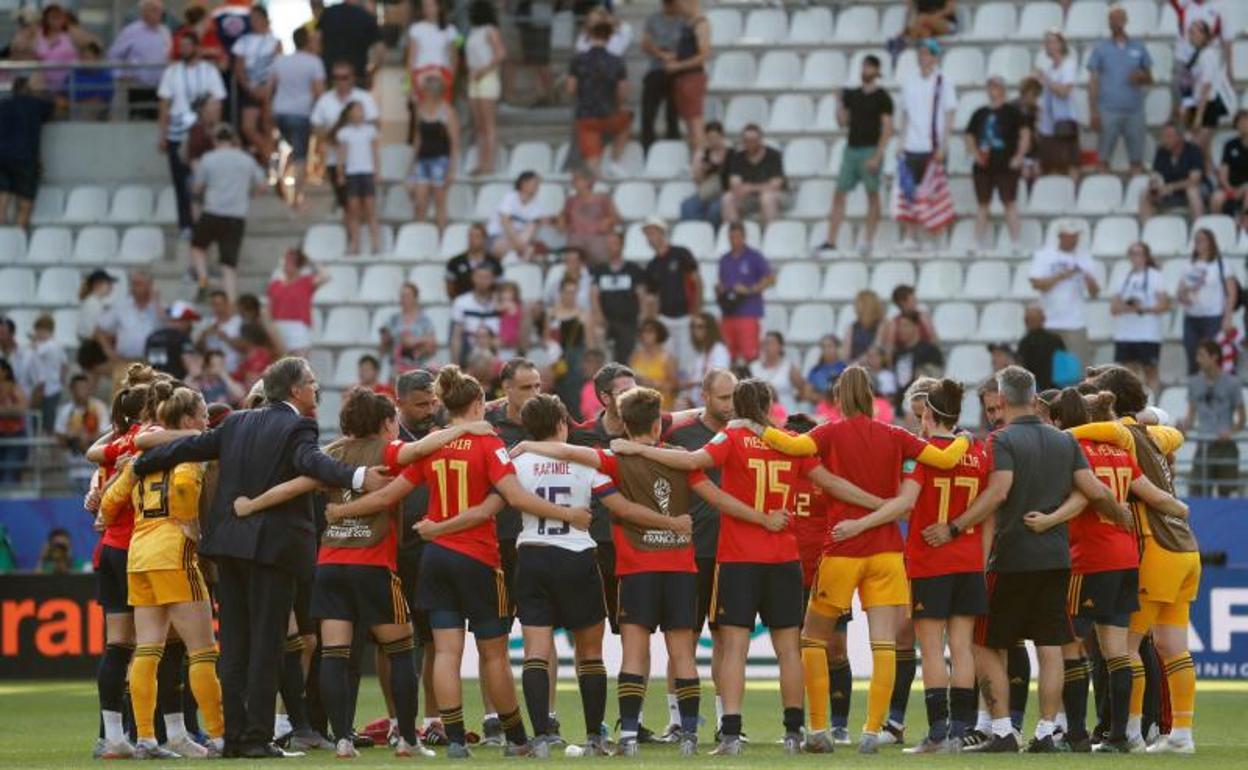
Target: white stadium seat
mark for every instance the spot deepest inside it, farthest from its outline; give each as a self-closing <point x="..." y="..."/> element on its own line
<point x="1100" y="323"/>
<point x="987" y="279"/>
<point x="323" y="242"/>
<point x="85" y="205"/>
<point x="96" y="244"/>
<point x="709" y="273"/>
<point x="1141" y="18"/>
<point x="744" y="110"/>
<point x="843" y="280"/>
<point x="1113" y="234"/>
<point x="1136" y="186"/>
<point x="698" y="237"/>
<point x="765" y="25"/>
<point x="49" y="206"/>
<point x="969" y="363"/>
<point x="454" y="240"/>
<point x="58" y="286"/>
<point x="955" y="321"/>
<point x="810" y="25"/>
<point x="1001" y="321"/>
<point x="12" y="244"/>
<point x="667" y="159"/>
<point x="824" y="70"/>
<point x="530" y="156"/>
<point x="856" y="24"/>
<point x="810" y="321"/>
<point x="962" y="238"/>
<point x="805" y="156"/>
<point x="166" y="207"/>
<point x="1036" y="19"/>
<point x="968" y="102"/>
<point x="132" y="203"/>
<point x="1165" y="235"/>
<point x="327" y="410"/>
<point x="1087" y="20"/>
<point x="671" y="196"/>
<point x="1012" y="62"/>
<point x="322" y="362"/>
<point x="346" y="373"/>
<point x="141" y="245"/>
<point x="17" y="286"/>
<point x="1020" y="287"/>
<point x="1031" y="237"/>
<point x="1053" y="195"/>
<point x="725" y="25"/>
<point x="416" y="242"/>
<point x="66" y="320"/>
<point x="732" y="70"/>
<point x="1222" y="226"/>
<point x="636" y="247"/>
<point x="396" y="205"/>
<point x="1157" y="107"/>
<point x="993" y="22"/>
<point x="775" y="318"/>
<point x="939" y="279"/>
<point x="432" y="283"/>
<point x="395" y="160"/>
<point x="380" y="284"/>
<point x="488" y="198"/>
<point x="784" y="239"/>
<point x="440" y="317"/>
<point x="813" y="198"/>
<point x="964" y="66"/>
<point x="892" y="22"/>
<point x="50" y="245"/>
<point x="778" y="70"/>
<point x="791" y="113"/>
<point x="1099" y="194"/>
<point x="526" y="276"/>
<point x="797" y="281"/>
<point x="825" y="114"/>
<point x="886" y="276"/>
<point x="634" y="200"/>
<point x="343" y="286"/>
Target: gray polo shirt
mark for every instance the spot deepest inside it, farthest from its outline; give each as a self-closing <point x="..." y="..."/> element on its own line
<point x="1215" y="402"/>
<point x="1113" y="63"/>
<point x="228" y="174"/>
<point x="1043" y="460"/>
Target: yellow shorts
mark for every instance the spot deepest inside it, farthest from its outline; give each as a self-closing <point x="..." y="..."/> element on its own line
<point x="1168" y="584"/>
<point x="880" y="580"/>
<point x="159" y="587"/>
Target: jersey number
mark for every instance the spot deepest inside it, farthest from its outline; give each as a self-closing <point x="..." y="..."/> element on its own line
<point x="155" y="497"/>
<point x="767" y="481"/>
<point x="945" y="487"/>
<point x="1119" y="482"/>
<point x="444" y="468"/>
<point x="801" y="504"/>
<point x="553" y="495"/>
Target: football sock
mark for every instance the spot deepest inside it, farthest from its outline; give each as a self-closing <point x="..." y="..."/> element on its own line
<point x="1158" y="703"/>
<point x="453" y="723"/>
<point x="689" y="702"/>
<point x="883" y="673"/>
<point x="143" y="688"/>
<point x="794" y="718"/>
<point x="1075" y="697"/>
<point x="983" y="722"/>
<point x="631" y="689"/>
<point x="513" y="726"/>
<point x="937" y="703"/>
<point x="1181" y="675"/>
<point x="535" y="681"/>
<point x="1045" y="728"/>
<point x="291" y="684"/>
<point x="1001" y="727"/>
<point x="961" y="710"/>
<point x="591" y="675"/>
<point x="1018" y="670"/>
<point x="111" y="684"/>
<point x="730" y="725"/>
<point x="207" y="689"/>
<point x="403" y="685"/>
<point x="841" y="691"/>
<point x="336" y="688"/>
<point x="1120" y="686"/>
<point x="673" y="709"/>
<point x="1135" y="708"/>
<point x="902" y="681"/>
<point x="815" y="672"/>
<point x="170" y="684"/>
<point x="1100" y="687"/>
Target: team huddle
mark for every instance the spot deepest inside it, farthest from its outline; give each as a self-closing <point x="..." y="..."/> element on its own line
<point x="1060" y="528"/>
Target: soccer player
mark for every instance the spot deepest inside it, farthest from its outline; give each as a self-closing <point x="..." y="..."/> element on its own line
<point x="460" y="578"/>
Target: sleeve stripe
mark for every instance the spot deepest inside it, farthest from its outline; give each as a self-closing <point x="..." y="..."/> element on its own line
<point x="606" y="490"/>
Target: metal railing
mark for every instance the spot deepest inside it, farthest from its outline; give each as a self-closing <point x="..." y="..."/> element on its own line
<point x="117" y="99"/>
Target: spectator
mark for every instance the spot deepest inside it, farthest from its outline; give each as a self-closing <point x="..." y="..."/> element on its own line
<point x="207" y="373"/>
<point x="868" y="111"/>
<point x="328" y="109"/>
<point x="1208" y="293"/>
<point x="436" y="145"/>
<point x="368" y="374"/>
<point x="460" y="268"/>
<point x="409" y="339"/>
<point x="167" y="348"/>
<point x="672" y="278"/>
<point x="931" y="18"/>
<point x="290" y="301"/>
<point x="46" y="368"/>
<point x="1057" y="129"/>
<point x="485" y="54"/>
<point x="574" y="268"/>
<point x="431" y="50"/>
<point x="1178" y="177"/>
<point x="220" y="331"/>
<point x="1215" y="408"/>
<point x="1189" y="13"/>
<point x="57" y="555"/>
<point x="588" y="403"/>
<point x="914" y="356"/>
<point x="598" y="79"/>
<point x="532" y="20"/>
<point x="1232" y="190"/>
<point x="709" y="169"/>
<point x="928" y="103"/>
<point x="515" y="327"/>
<point x="1001" y="355"/>
<point x="91" y="86"/>
<point x="144" y="45"/>
<point x="659" y="37"/>
<point x="226" y="178"/>
<point x="513" y="227"/>
<point x="774" y="368"/>
<point x="1212" y="95"/>
<point x="358" y="145"/>
<point x="94" y="298"/>
<point x="822" y="376"/>
<point x="185" y="87"/>
<point x="201" y="138"/>
<point x="253" y="57"/>
<point x="56" y="39"/>
<point x="621" y="38"/>
<point x="867" y="326"/>
<point x="298" y="82"/>
<point x="1138" y="308"/>
<point x="1063" y="276"/>
<point x="13" y="407"/>
<point x="568" y="324"/>
<point x="12" y="350"/>
<point x="1028" y="104"/>
<point x="998" y="142"/>
<point x="907" y="302"/>
<point x="744" y="274"/>
<point x="250" y="311"/>
<point x="124" y="328"/>
<point x="22" y="116"/>
<point x="588" y="216"/>
<point x="471" y="311"/>
<point x="686" y="70"/>
<point x="258" y="353"/>
<point x="349" y="34"/>
<point x="653" y="363"/>
<point x="708" y="353"/>
<point x="1036" y="348"/>
<point x="197" y="21"/>
<point x="755" y="179"/>
<point x="81" y="419"/>
<point x="615" y="299"/>
<point x="1119" y="72"/>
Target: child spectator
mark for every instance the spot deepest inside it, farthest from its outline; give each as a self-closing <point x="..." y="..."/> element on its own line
<point x="46" y="368"/>
<point x="358" y="147"/>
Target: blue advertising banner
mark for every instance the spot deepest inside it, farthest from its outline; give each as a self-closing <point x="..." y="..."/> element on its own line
<point x="1219" y="629"/>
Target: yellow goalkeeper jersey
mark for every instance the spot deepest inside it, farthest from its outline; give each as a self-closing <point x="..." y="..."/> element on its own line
<point x="164" y="503"/>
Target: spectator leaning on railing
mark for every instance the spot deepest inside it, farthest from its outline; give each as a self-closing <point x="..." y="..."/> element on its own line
<point x="22" y="116"/>
<point x="146" y="44"/>
<point x="1215" y="409"/>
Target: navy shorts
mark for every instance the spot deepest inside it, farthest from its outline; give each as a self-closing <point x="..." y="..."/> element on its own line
<point x="363" y="594"/>
<point x="942" y="597"/>
<point x="18" y="178"/>
<point x="409" y="578"/>
<point x="558" y="588"/>
<point x="666" y="600"/>
<point x="1105" y="598"/>
<point x="296" y="130"/>
<point x="746" y="590"/>
<point x="1143" y="353"/>
<point x="455" y="589"/>
<point x="112" y="582"/>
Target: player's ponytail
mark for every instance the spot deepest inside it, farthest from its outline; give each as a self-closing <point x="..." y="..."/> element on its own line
<point x="180" y="404"/>
<point x="457" y="391"/>
<point x="138" y="374"/>
<point x="128" y="407"/>
<point x="158" y="391"/>
<point x="1100" y="406"/>
<point x="853" y="393"/>
<point x="752" y="400"/>
<point x="944" y="400"/>
<point x="1069" y="411"/>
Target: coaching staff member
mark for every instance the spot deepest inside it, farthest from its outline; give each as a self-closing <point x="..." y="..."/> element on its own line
<point x="1035" y="467"/>
<point x="260" y="557"/>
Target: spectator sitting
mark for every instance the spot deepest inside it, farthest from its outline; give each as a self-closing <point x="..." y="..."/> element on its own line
<point x="1028" y="104"/>
<point x="1036" y="348"/>
<point x="436" y="141"/>
<point x="1001" y="355"/>
<point x="1119" y="72"/>
<point x="709" y="353"/>
<point x="460" y="267"/>
<point x="94" y="298"/>
<point x="587" y="217"/>
<point x="755" y="179"/>
<point x="1232" y="189"/>
<point x="368" y="372"/>
<point x="81" y="419"/>
<point x="1213" y="94"/>
<point x="744" y="274"/>
<point x="907" y="302"/>
<point x="568" y="323"/>
<point x="298" y="81"/>
<point x="515" y="321"/>
<point x="774" y="368"/>
<point x="250" y="311"/>
<point x="1063" y="276"/>
<point x="1208" y="293"/>
<point x="1057" y="130"/>
<point x="998" y="142"/>
<point x="658" y="40"/>
<point x="928" y="107"/>
<point x="207" y="373"/>
<point x="124" y="328"/>
<point x="144" y="44"/>
<point x="46" y="367"/>
<point x="866" y="328"/>
<point x="409" y="339"/>
<point x="822" y="376"/>
<point x="13" y="408"/>
<point x="168" y="347"/>
<point x="913" y="356"/>
<point x="513" y="227"/>
<point x="92" y="87"/>
<point x="709" y="168"/>
<point x="221" y="329"/>
<point x="484" y="53"/>
<point x="883" y="381"/>
<point x="471" y="311"/>
<point x="615" y="299"/>
<point x="253" y="56"/>
<point x="1138" y="308"/>
<point x="22" y="116"/>
<point x="57" y="555"/>
<point x="653" y="364"/>
<point x="290" y="300"/>
<point x="598" y="79"/>
<point x="1215" y="408"/>
<point x="226" y="178"/>
<point x="1178" y="176"/>
<point x="926" y="19"/>
<point x="258" y="353"/>
<point x="574" y="269"/>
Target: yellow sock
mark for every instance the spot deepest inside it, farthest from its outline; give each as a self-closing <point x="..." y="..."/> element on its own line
<point x="1137" y="688"/>
<point x="815" y="672"/>
<point x="883" y="673"/>
<point x="1181" y="675"/>
<point x="207" y="689"/>
<point x="143" y="688"/>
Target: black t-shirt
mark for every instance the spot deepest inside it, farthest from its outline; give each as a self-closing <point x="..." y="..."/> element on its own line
<point x="617" y="291"/>
<point x="1235" y="158"/>
<point x="693" y="435"/>
<point x="1177" y="169"/>
<point x="668" y="277"/>
<point x="1035" y="353"/>
<point x="997" y="129"/>
<point x="507" y="523"/>
<point x="21" y="126"/>
<point x="347" y="33"/>
<point x="598" y="73"/>
<point x="459" y="273"/>
<point x="770" y="166"/>
<point x="164" y="351"/>
<point x="865" y="111"/>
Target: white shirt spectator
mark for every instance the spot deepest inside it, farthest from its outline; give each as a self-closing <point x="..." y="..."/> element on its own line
<point x="182" y="85"/>
<point x="696" y="368"/>
<point x="232" y="327"/>
<point x="621" y="40"/>
<point x="295" y="75"/>
<point x="1190" y="12"/>
<point x="72" y="417"/>
<point x="780" y="378"/>
<point x="1206" y="287"/>
<point x="131" y="325"/>
<point x="46" y="363"/>
<point x="1063" y="302"/>
<point x="1145" y="288"/>
<point x="329" y="108"/>
<point x="521" y="213"/>
<point x="433" y="44"/>
<point x="1210" y="70"/>
<point x="1053" y="107"/>
<point x="89" y="312"/>
<point x="918" y="97"/>
<point x="258" y="52"/>
<point x="357" y="146"/>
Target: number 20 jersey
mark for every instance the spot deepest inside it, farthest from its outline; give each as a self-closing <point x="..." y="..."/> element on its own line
<point x="560" y="483"/>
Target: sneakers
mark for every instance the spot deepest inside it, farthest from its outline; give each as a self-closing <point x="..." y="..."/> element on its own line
<point x="121" y="749"/>
<point x="308" y="739"/>
<point x="345" y="749"/>
<point x="552" y="734"/>
<point x="492" y="732"/>
<point x="435" y="734"/>
<point x="892" y="733"/>
<point x="216" y="747"/>
<point x="644" y="734"/>
<point x="457" y="751"/>
<point x="1001" y="744"/>
<point x="730" y="746"/>
<point x="1043" y="745"/>
<point x="541" y="747"/>
<point x="819" y="742"/>
<point x="671" y="735"/>
<point x="596" y="746"/>
<point x="930" y="746"/>
<point x="840" y="736"/>
<point x="869" y="743"/>
<point x="1112" y="747"/>
<point x="520" y="750"/>
<point x="792" y="744"/>
<point x="974" y="740"/>
<point x="688" y="744"/>
<point x="628" y="748"/>
<point x="151" y="750"/>
<point x="404" y="749"/>
<point x="1172" y="744"/>
<point x="186" y="748"/>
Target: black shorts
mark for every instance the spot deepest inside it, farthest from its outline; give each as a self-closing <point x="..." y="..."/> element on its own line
<point x="365" y="595"/>
<point x="667" y="600"/>
<point x="558" y="588"/>
<point x="303" y="607"/>
<point x="112" y="582"/>
<point x="945" y="596"/>
<point x="706" y="590"/>
<point x="225" y="232"/>
<point x="605" y="553"/>
<point x="745" y="590"/>
<point x="19" y="179"/>
<point x="409" y="572"/>
<point x="1025" y="605"/>
<point x="1106" y="598"/>
<point x="1142" y="353"/>
<point x="1004" y="181"/>
<point x="455" y="588"/>
<point x="361" y="186"/>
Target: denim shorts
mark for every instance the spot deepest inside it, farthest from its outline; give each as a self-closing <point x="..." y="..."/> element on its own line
<point x="295" y="129"/>
<point x="430" y="171"/>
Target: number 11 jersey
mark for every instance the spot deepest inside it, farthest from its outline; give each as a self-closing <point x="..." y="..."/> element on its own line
<point x="564" y="484"/>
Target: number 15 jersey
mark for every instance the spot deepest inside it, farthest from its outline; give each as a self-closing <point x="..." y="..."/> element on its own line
<point x="561" y="483"/>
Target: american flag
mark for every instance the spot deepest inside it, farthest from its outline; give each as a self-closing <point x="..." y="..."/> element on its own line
<point x="929" y="203"/>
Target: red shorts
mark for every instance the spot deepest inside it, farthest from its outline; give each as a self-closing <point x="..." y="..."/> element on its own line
<point x="741" y="335"/>
<point x="589" y="131"/>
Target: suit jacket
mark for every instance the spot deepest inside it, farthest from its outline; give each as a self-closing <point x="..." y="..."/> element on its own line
<point x="256" y="450"/>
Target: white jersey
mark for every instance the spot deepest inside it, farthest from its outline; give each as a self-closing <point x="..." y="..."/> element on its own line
<point x="562" y="483"/>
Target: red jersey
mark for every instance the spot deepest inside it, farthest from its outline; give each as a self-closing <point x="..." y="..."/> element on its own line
<point x="1097" y="544"/>
<point x="869" y="454"/>
<point x="460" y="475"/>
<point x="809" y="525"/>
<point x="385" y="552"/>
<point x="629" y="559"/>
<point x="764" y="479"/>
<point x="945" y="496"/>
<point x="117" y="534"/>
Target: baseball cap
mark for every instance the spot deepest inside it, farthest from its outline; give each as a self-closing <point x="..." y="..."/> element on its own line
<point x="183" y="311"/>
<point x="655" y="221"/>
<point x="1069" y="226"/>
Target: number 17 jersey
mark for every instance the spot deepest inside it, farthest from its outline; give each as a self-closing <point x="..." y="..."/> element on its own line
<point x="945" y="496"/>
<point x="564" y="484"/>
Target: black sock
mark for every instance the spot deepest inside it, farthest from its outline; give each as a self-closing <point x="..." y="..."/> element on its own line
<point x="170" y="683"/>
<point x="962" y="706"/>
<point x="1018" y="670"/>
<point x="453" y="721"/>
<point x="513" y="725"/>
<point x="1154" y="684"/>
<point x="730" y="725"/>
<point x="631" y="690"/>
<point x="291" y="684"/>
<point x="535" y="681"/>
<point x="901" y="686"/>
<point x="110" y="678"/>
<point x="1119" y="695"/>
<point x="336" y="688"/>
<point x="794" y="718"/>
<point x="190" y="708"/>
<point x="591" y="675"/>
<point x="937" y="703"/>
<point x="1100" y="689"/>
<point x="354" y="672"/>
<point x="318" y="717"/>
<point x="1075" y="697"/>
<point x="688" y="701"/>
<point x="840" y="690"/>
<point x="403" y="685"/>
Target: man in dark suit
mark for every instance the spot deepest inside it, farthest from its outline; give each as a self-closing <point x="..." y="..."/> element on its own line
<point x="261" y="557"/>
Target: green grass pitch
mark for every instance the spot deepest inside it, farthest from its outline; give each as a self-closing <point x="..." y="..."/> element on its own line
<point x="52" y="725"/>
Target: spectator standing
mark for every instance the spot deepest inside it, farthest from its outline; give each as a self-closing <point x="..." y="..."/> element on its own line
<point x="1028" y="103"/>
<point x="574" y="268"/>
<point x="95" y="296"/>
<point x="143" y="44"/>
<point x="436" y="143"/>
<point x="298" y="81"/>
<point x="1036" y="348"/>
<point x="92" y="87"/>
<point x="827" y="368"/>
<point x="928" y="103"/>
<point x="12" y="350"/>
<point x="756" y="180"/>
<point x="659" y="38"/>
<point x="1232" y="192"/>
<point x="13" y="407"/>
<point x="186" y="87"/>
<point x="588" y="216"/>
<point x="473" y="311"/>
<point x="46" y="368"/>
<point x="744" y="274"/>
<point x="621" y="31"/>
<point x="686" y="71"/>
<point x="1189" y="13"/>
<point x="709" y="170"/>
<point x="653" y="362"/>
<point x="1120" y="70"/>
<point x="513" y="227"/>
<point x="906" y="300"/>
<point x="998" y="142"/>
<point x="358" y="144"/>
<point x="1138" y="309"/>
<point x="1063" y="276"/>
<point x="914" y="357"/>
<point x="1208" y="293"/>
<point x="867" y="326"/>
<point x="221" y="330"/>
<point x="409" y="339"/>
<point x="328" y="109"/>
<point x="1057" y="129"/>
<point x="568" y="324"/>
<point x="774" y="368"/>
<point x="485" y="53"/>
<point x="1213" y="95"/>
<point x="290" y="301"/>
<point x="1215" y="409"/>
<point x="125" y="327"/>
<point x="868" y="111"/>
<point x="1178" y="177"/>
<point x="431" y="50"/>
<point x="226" y="178"/>
<point x="22" y="116"/>
<point x="615" y="299"/>
<point x="459" y="268"/>
<point x="598" y="80"/>
<point x="254" y="55"/>
<point x="168" y="348"/>
<point x="672" y="278"/>
<point x="349" y="33"/>
<point x="709" y="353"/>
<point x="80" y="421"/>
